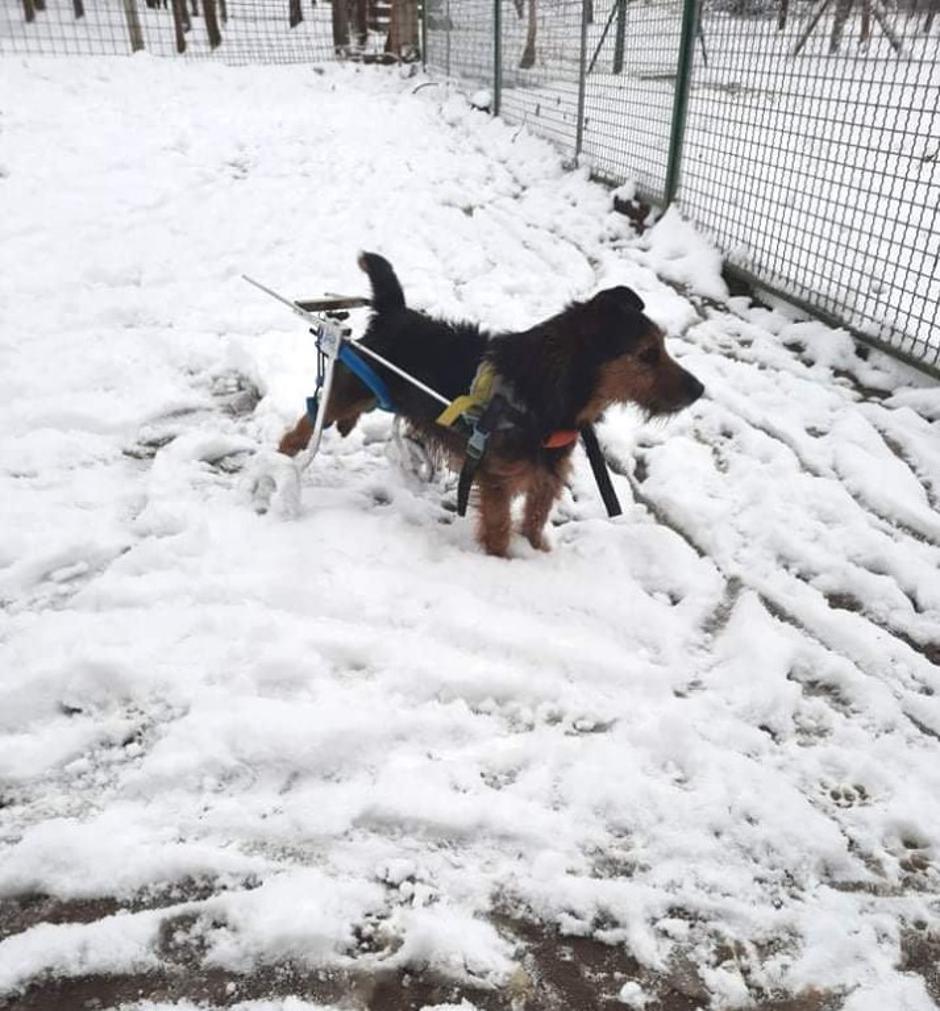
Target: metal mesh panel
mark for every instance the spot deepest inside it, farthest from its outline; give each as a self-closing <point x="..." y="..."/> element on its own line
<point x="460" y="39"/>
<point x="633" y="53"/>
<point x="811" y="156"/>
<point x="248" y="31"/>
<point x="541" y="67"/>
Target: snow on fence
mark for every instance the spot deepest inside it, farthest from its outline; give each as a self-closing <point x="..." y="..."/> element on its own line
<point x="804" y="138"/>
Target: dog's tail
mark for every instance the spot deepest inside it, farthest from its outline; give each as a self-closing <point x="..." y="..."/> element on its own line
<point x="387" y="295"/>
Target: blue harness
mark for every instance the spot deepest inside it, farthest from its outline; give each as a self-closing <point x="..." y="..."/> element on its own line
<point x="362" y="370"/>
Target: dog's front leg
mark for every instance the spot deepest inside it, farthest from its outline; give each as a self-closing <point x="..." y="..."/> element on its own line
<point x="495" y="526"/>
<point x="544" y="488"/>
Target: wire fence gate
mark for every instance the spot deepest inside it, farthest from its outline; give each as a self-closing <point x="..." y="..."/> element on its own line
<point x="802" y="136"/>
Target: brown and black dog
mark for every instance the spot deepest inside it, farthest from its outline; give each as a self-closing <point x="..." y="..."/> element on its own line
<point x="561" y="374"/>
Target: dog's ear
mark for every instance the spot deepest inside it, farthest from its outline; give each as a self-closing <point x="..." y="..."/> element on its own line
<point x="622" y="296"/>
<point x="610" y="321"/>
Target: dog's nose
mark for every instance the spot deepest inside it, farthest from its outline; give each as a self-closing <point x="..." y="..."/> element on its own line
<point x="692" y="387"/>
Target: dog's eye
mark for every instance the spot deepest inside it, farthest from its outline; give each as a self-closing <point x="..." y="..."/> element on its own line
<point x="650" y="356"/>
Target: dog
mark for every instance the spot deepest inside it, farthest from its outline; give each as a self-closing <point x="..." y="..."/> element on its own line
<point x="560" y="375"/>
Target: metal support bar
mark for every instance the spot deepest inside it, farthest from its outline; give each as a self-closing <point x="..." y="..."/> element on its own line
<point x="328" y="344"/>
<point x="582" y="80"/>
<point x="497" y="55"/>
<point x="680" y="105"/>
<point x="401" y="372"/>
<point x="620" y="36"/>
<point x="602" y="40"/>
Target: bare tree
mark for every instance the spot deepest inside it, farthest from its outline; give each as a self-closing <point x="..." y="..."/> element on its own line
<point x="402" y="38"/>
<point x="528" y="54"/>
<point x="79" y="9"/>
<point x="179" y="10"/>
<point x="360" y="14"/>
<point x="340" y="18"/>
<point x="871" y="9"/>
<point x="133" y="25"/>
<point x="212" y="24"/>
<point x="29" y="11"/>
<point x="294" y="15"/>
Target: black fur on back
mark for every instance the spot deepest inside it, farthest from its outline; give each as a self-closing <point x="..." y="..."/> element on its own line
<point x="442" y="354"/>
<point x="552" y="368"/>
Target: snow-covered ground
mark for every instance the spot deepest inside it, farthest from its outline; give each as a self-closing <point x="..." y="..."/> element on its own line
<point x="704" y="734"/>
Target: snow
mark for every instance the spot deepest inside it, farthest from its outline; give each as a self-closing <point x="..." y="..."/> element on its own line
<point x="710" y="723"/>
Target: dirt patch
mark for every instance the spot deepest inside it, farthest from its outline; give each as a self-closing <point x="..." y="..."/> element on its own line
<point x="556" y="973"/>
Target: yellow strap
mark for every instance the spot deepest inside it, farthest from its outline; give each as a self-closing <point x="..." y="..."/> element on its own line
<point x="457" y="408"/>
<point x="480" y="393"/>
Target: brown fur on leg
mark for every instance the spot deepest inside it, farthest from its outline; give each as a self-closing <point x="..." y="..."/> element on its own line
<point x="495" y="518"/>
<point x="543" y="491"/>
<point x="295" y="439"/>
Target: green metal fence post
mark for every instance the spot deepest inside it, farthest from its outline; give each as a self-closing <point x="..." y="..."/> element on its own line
<point x="680" y="104"/>
<point x="497" y="55"/>
<point x="424" y="35"/>
<point x="582" y="80"/>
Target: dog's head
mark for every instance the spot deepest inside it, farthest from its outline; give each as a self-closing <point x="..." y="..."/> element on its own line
<point x="633" y="365"/>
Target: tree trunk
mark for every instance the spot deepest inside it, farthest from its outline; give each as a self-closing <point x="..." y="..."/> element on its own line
<point x="340" y="18"/>
<point x="361" y="22"/>
<point x="40" y="5"/>
<point x="195" y="6"/>
<point x="79" y="9"/>
<point x="528" y="54"/>
<point x="403" y="29"/>
<point x="294" y="15"/>
<point x="865" y="33"/>
<point x="178" y="26"/>
<point x="133" y="25"/>
<point x="843" y="9"/>
<point x="212" y="24"/>
<point x="223" y="11"/>
<point x="782" y="16"/>
<point x="29" y="11"/>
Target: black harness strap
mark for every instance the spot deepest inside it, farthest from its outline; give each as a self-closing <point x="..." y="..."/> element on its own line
<point x="476" y="447"/>
<point x="601" y="473"/>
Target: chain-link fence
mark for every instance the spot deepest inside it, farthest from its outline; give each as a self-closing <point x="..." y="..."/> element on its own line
<point x="803" y="137"/>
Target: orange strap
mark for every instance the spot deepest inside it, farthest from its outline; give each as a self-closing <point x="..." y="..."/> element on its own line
<point x="563" y="437"/>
